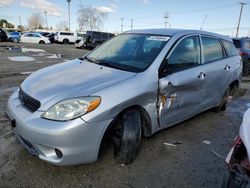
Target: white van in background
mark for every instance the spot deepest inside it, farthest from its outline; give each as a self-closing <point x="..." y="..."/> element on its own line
<point x="65" y="37"/>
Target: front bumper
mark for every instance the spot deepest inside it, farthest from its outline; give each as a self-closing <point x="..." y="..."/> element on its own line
<point x="77" y="140"/>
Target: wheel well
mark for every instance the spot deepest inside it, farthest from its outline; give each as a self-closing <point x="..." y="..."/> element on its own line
<point x="234" y="86"/>
<point x="146" y="121"/>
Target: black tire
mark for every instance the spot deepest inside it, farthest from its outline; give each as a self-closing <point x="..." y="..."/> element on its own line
<point x="65" y="41"/>
<point x="41" y="42"/>
<point x="127" y="133"/>
<point x="223" y="103"/>
<point x="0" y="39"/>
<point x="15" y="40"/>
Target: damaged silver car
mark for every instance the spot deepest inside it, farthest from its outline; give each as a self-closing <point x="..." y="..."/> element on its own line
<point x="134" y="85"/>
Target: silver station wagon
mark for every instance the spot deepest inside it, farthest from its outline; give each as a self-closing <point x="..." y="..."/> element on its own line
<point x="133" y="85"/>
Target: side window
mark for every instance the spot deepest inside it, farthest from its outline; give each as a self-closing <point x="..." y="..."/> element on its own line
<point x="230" y="48"/>
<point x="34" y="35"/>
<point x="212" y="49"/>
<point x="186" y="54"/>
<point x="247" y="44"/>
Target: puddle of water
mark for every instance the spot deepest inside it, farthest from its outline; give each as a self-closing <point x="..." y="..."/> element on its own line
<point x="55" y="56"/>
<point x="6" y="90"/>
<point x="23" y="50"/>
<point x="21" y="58"/>
<point x="14" y="49"/>
<point x="32" y="50"/>
<point x="39" y="55"/>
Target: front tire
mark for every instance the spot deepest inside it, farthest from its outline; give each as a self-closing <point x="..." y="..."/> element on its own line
<point x="127" y="133"/>
<point x="41" y="42"/>
<point x="65" y="41"/>
<point x="223" y="104"/>
<point x="15" y="40"/>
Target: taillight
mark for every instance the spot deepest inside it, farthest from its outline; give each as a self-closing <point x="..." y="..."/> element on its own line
<point x="237" y="141"/>
<point x="243" y="53"/>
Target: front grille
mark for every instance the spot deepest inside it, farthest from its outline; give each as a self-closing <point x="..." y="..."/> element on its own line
<point x="29" y="102"/>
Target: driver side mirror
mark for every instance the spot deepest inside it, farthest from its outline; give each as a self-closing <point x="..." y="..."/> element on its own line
<point x="163" y="70"/>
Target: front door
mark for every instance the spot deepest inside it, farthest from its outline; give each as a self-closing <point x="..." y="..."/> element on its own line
<point x="181" y="91"/>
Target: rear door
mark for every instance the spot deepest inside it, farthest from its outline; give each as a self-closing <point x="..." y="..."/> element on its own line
<point x="181" y="90"/>
<point x="36" y="38"/>
<point x="218" y="70"/>
<point x="27" y="37"/>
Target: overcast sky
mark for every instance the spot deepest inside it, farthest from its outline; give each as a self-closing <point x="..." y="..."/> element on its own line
<point x="222" y="15"/>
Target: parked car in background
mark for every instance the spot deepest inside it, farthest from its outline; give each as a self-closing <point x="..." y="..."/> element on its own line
<point x="243" y="46"/>
<point x="3" y="35"/>
<point x="65" y="37"/>
<point x="238" y="158"/>
<point x="34" y="38"/>
<point x="137" y="83"/>
<point x="79" y="43"/>
<point x="15" y="36"/>
<point x="44" y="33"/>
<point x="93" y="39"/>
<point x="51" y="37"/>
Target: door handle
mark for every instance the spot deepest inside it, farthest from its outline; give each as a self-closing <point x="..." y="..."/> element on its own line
<point x="227" y="68"/>
<point x="202" y="76"/>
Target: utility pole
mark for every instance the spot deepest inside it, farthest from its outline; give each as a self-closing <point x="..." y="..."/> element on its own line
<point x="132" y="24"/>
<point x="69" y="11"/>
<point x="46" y="20"/>
<point x="241" y="9"/>
<point x="20" y="22"/>
<point x="166" y="16"/>
<point x="203" y="22"/>
<point x="122" y="24"/>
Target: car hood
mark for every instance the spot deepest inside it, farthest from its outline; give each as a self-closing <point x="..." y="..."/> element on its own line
<point x="71" y="79"/>
<point x="245" y="131"/>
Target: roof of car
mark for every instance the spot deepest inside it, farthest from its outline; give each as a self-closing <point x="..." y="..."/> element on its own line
<point x="171" y="32"/>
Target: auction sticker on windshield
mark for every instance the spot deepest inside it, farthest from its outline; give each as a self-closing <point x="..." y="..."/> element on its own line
<point x="158" y="38"/>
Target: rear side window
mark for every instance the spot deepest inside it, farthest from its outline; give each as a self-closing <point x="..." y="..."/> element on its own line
<point x="230" y="48"/>
<point x="67" y="34"/>
<point x="212" y="49"/>
<point x="247" y="44"/>
<point x="236" y="43"/>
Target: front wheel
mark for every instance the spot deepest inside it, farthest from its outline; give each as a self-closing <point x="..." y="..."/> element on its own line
<point x="15" y="40"/>
<point x="127" y="136"/>
<point x="223" y="104"/>
<point x="41" y="42"/>
<point x="65" y="41"/>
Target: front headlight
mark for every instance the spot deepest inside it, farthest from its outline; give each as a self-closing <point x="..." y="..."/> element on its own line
<point x="72" y="108"/>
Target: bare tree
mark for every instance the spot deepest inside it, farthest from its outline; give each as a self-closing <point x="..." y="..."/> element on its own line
<point x="62" y="26"/>
<point x="90" y="18"/>
<point x="35" y="21"/>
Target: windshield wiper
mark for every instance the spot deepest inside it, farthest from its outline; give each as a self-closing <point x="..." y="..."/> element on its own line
<point x="89" y="59"/>
<point x="100" y="62"/>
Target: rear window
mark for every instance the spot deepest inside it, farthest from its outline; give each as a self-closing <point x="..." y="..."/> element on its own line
<point x="247" y="44"/>
<point x="236" y="43"/>
<point x="230" y="48"/>
<point x="212" y="49"/>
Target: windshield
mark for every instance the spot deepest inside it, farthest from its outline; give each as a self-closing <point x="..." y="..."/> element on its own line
<point x="129" y="52"/>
